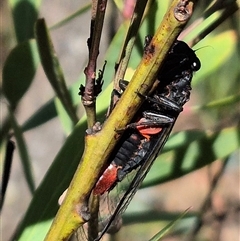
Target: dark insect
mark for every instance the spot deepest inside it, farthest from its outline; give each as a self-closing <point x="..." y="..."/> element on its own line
<point x="144" y="138"/>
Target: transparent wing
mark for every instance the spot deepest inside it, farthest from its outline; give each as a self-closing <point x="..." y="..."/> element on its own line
<point x="129" y="190"/>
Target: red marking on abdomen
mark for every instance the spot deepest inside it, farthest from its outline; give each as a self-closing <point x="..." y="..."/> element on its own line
<point x="106" y="181"/>
<point x="147" y="131"/>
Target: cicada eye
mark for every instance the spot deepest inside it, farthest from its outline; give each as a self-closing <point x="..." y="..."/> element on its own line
<point x="196" y="65"/>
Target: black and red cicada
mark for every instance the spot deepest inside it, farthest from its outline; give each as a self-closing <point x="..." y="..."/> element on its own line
<point x="144" y="138"/>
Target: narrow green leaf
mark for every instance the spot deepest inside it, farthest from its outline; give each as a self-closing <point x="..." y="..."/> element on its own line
<point x="45" y="201"/>
<point x="145" y="214"/>
<point x="19" y="70"/>
<point x="71" y="17"/>
<point x="22" y="148"/>
<point x="53" y="69"/>
<point x="63" y="116"/>
<point x="160" y="234"/>
<point x="216" y="50"/>
<point x="44" y="205"/>
<point x="227" y="101"/>
<point x="6" y="149"/>
<point x="25" y="13"/>
<point x="48" y="111"/>
<point x="45" y="113"/>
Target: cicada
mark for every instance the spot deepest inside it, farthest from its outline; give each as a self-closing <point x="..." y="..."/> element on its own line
<point x="146" y="135"/>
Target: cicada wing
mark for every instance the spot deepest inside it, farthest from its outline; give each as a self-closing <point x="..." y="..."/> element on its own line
<point x="128" y="189"/>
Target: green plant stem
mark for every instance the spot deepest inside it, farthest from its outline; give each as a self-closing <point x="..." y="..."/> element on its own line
<point x="129" y="41"/>
<point x="98" y="146"/>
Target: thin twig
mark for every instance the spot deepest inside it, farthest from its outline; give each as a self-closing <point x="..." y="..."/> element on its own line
<point x="93" y="222"/>
<point x="129" y="41"/>
<point x="89" y="92"/>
